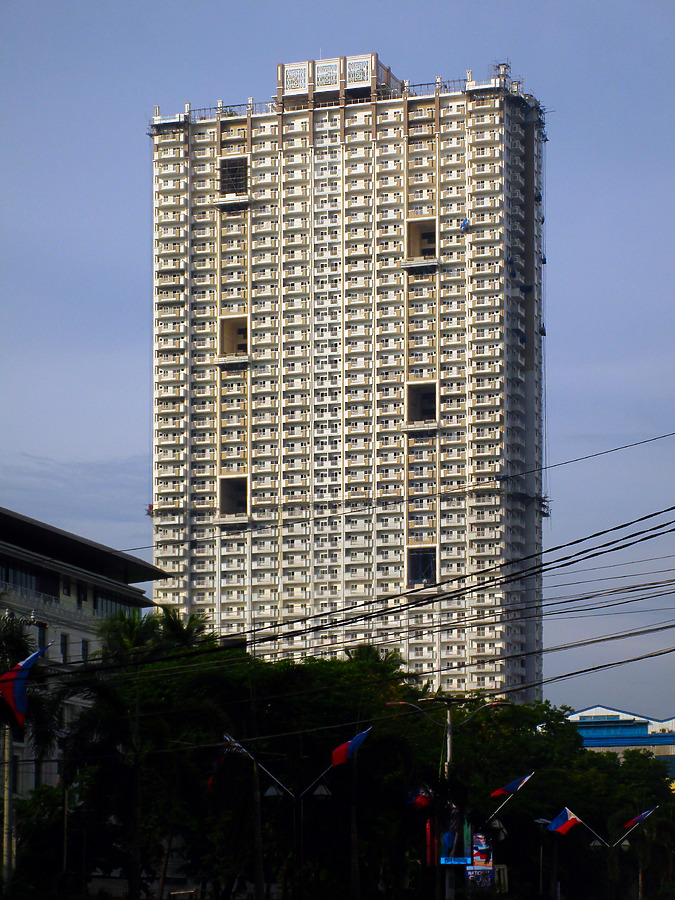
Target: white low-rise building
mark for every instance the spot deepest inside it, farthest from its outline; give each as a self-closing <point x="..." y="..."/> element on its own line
<point x="61" y="586"/>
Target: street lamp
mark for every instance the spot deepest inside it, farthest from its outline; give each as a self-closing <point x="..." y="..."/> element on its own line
<point x="320" y="792"/>
<point x="448" y="702"/>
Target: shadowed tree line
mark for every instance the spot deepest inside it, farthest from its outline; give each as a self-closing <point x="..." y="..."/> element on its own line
<point x="149" y="778"/>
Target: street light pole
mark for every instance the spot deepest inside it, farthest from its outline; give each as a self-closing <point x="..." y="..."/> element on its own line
<point x="448" y="741"/>
<point x="542" y="824"/>
<point x="448" y="702"/>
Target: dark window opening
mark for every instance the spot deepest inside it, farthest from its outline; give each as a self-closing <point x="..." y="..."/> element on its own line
<point x="422" y="240"/>
<point x="85" y="650"/>
<point x="233" y="496"/>
<point x="421" y="403"/>
<point x="64" y="648"/>
<point x="234" y="175"/>
<point x="421" y="566"/>
<point x="25" y="577"/>
<point x="234" y="336"/>
<point x="42" y="636"/>
<point x="81" y="595"/>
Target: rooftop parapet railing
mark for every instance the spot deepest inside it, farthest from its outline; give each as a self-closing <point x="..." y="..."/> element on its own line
<point x="268" y="107"/>
<point x="452" y="86"/>
<point x="238" y="110"/>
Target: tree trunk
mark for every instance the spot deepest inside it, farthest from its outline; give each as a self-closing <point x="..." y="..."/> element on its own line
<point x="355" y="891"/>
<point x="257" y="812"/>
<point x="7" y="810"/>
<point x="165" y="866"/>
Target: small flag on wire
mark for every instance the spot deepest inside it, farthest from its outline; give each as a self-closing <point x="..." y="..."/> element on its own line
<point x="640" y="818"/>
<point x="346" y="751"/>
<point x="564" y="821"/>
<point x="13" y="686"/>
<point x="512" y="787"/>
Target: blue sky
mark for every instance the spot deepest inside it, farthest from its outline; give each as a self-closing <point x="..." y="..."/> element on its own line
<point x="80" y="81"/>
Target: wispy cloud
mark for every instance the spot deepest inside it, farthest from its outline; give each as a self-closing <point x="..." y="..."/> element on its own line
<point x="104" y="501"/>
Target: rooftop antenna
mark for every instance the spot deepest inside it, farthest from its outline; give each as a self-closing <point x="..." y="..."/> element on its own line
<point x="502" y="68"/>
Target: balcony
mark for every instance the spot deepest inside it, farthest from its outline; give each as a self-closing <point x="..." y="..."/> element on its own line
<point x="419" y="264"/>
<point x="171" y="440"/>
<point x="25" y="602"/>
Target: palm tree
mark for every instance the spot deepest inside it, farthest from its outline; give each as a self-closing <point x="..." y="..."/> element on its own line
<point x="188" y="633"/>
<point x="126" y="637"/>
<point x="132" y="637"/>
<point x="390" y="660"/>
<point x="115" y="747"/>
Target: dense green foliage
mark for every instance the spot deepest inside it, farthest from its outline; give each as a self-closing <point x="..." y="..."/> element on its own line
<point x="163" y="694"/>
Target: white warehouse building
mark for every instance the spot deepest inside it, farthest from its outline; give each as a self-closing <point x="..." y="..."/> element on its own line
<point x="348" y="369"/>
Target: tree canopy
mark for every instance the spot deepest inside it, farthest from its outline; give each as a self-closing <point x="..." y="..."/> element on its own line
<point x="187" y="752"/>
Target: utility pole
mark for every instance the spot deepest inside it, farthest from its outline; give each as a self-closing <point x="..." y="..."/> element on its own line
<point x="7" y="809"/>
<point x="447" y="702"/>
<point x="257" y="831"/>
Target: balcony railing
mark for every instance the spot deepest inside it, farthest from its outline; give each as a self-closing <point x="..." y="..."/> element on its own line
<point x="23" y="600"/>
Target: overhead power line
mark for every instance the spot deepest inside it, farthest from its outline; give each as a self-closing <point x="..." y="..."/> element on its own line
<point x="257" y="636"/>
<point x="399" y="501"/>
<point x="350" y="617"/>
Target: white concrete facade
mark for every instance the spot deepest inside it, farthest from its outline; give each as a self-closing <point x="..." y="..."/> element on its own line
<point x="348" y="368"/>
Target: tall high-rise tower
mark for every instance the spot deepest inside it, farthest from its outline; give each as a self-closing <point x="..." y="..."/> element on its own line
<point x="348" y="368"/>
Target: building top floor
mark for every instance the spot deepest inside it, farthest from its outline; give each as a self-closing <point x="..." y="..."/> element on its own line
<point x="24" y="538"/>
<point x="63" y="585"/>
<point x="340" y="81"/>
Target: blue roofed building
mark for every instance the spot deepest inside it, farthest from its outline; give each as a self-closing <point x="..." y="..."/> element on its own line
<point x="605" y="728"/>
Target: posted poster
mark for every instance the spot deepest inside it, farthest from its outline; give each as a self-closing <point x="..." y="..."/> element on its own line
<point x="481" y="851"/>
<point x="479" y="879"/>
<point x="480" y="874"/>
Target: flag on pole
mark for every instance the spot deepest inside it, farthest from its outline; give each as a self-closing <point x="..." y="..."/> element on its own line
<point x="636" y="821"/>
<point x="13" y="686"/>
<point x="512" y="787"/>
<point x="564" y="821"/>
<point x="345" y="751"/>
<point x="421" y="799"/>
<point x="231" y="746"/>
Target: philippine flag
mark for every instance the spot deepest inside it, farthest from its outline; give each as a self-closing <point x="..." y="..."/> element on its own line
<point x="564" y="821"/>
<point x="640" y="818"/>
<point x="13" y="686"/>
<point x="421" y="799"/>
<point x="512" y="787"/>
<point x="345" y="751"/>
